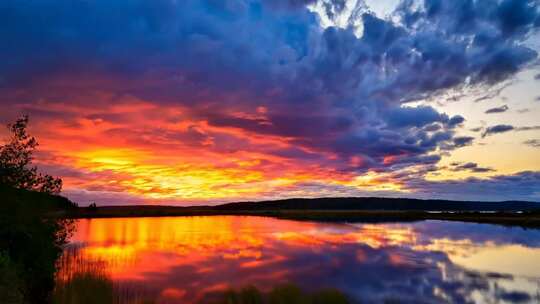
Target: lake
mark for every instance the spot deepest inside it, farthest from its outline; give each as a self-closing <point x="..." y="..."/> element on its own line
<point x="195" y="259"/>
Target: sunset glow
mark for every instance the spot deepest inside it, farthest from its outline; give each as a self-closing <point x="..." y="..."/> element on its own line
<point x="205" y="102"/>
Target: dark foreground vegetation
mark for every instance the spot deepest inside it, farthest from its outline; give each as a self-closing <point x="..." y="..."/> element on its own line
<point x="30" y="241"/>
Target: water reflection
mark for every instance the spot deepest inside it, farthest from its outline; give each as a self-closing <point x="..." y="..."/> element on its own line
<point x="186" y="259"/>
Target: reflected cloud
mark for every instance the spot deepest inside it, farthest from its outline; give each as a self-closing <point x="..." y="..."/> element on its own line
<point x="184" y="259"/>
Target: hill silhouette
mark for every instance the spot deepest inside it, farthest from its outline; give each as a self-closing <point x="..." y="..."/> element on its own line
<point x="378" y="203"/>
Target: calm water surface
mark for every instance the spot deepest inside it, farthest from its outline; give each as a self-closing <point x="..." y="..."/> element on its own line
<point x="188" y="259"/>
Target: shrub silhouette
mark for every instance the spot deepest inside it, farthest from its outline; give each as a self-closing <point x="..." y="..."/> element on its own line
<point x="282" y="294"/>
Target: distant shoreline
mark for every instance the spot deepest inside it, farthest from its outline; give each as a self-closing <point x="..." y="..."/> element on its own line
<point x="529" y="219"/>
<point x="342" y="209"/>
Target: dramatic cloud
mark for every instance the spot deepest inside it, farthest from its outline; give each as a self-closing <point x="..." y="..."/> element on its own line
<point x="225" y="94"/>
<point x="523" y="185"/>
<point x="500" y="109"/>
<point x="518" y="186"/>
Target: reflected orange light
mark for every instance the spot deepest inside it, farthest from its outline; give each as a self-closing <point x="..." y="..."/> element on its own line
<point x="122" y="243"/>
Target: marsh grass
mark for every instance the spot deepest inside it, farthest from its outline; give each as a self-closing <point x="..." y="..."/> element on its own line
<point x="85" y="288"/>
<point x="95" y="287"/>
<point x="83" y="281"/>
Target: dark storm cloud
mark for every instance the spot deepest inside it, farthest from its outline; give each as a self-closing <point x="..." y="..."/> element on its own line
<point x="500" y="109"/>
<point x="533" y="143"/>
<point x="456" y="120"/>
<point x="507" y="128"/>
<point x="519" y="186"/>
<point x="477" y="129"/>
<point x="514" y="296"/>
<point x="528" y="128"/>
<point x="327" y="90"/>
<point x="483" y="25"/>
<point x="497" y="129"/>
<point x="470" y="166"/>
<point x="462" y="141"/>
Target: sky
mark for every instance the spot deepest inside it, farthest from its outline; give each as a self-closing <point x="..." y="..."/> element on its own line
<point x="209" y="101"/>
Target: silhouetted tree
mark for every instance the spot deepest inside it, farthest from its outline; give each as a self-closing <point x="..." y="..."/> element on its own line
<point x="31" y="240"/>
<point x="16" y="168"/>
